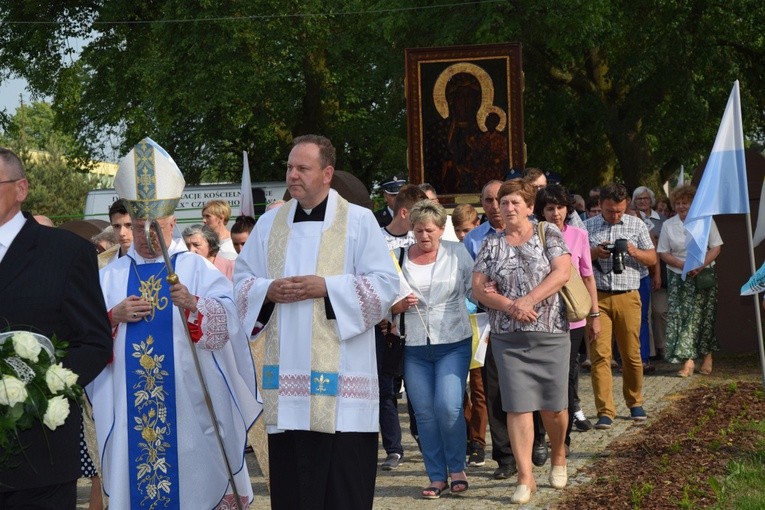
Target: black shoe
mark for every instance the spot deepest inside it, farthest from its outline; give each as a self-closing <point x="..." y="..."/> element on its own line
<point x="505" y="471"/>
<point x="581" y="423"/>
<point x="540" y="453"/>
<point x="477" y="456"/>
<point x="392" y="461"/>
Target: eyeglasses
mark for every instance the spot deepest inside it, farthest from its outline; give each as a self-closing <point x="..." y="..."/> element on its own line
<point x="10" y="180"/>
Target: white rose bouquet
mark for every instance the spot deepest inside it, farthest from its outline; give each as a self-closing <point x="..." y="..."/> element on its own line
<point x="34" y="386"/>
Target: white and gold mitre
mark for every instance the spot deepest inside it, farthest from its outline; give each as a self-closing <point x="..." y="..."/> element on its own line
<point x="149" y="181"/>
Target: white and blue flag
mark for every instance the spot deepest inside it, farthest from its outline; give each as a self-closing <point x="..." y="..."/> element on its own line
<point x="723" y="188"/>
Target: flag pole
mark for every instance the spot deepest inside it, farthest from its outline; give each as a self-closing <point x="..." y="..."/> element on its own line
<point x="756" y="298"/>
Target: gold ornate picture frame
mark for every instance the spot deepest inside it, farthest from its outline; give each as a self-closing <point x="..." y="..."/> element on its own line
<point x="464" y="115"/>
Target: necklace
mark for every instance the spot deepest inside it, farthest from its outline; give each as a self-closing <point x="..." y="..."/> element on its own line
<point x="152" y="277"/>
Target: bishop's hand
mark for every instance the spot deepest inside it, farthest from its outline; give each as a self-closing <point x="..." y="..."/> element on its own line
<point x="182" y="298"/>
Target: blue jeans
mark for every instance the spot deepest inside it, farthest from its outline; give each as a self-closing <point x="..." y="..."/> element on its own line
<point x="435" y="378"/>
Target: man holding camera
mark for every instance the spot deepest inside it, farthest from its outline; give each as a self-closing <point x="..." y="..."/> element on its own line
<point x="620" y="245"/>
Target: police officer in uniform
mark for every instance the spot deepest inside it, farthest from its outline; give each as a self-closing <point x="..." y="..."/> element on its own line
<point x="390" y="189"/>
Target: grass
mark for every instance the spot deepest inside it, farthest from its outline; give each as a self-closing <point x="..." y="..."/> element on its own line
<point x="638" y="493"/>
<point x="743" y="487"/>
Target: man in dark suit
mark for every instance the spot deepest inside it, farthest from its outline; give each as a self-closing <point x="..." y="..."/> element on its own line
<point x="48" y="285"/>
<point x="390" y="189"/>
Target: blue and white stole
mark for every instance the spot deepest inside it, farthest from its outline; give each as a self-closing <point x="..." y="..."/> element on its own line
<point x="150" y="384"/>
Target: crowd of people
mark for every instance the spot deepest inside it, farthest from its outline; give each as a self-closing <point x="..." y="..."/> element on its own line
<point x="349" y="309"/>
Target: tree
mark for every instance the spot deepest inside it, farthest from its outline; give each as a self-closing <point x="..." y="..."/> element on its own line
<point x="58" y="179"/>
<point x="614" y="89"/>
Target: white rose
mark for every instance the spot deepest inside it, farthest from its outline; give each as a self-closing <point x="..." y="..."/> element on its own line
<point x="57" y="412"/>
<point x="12" y="391"/>
<point x="26" y="346"/>
<point x="59" y="378"/>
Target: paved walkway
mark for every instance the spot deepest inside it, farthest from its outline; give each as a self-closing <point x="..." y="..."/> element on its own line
<point x="399" y="489"/>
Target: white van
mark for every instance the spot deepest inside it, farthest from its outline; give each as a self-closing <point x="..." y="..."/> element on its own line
<point x="189" y="210"/>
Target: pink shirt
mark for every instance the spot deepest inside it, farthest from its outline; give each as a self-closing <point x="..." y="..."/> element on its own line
<point x="578" y="243"/>
<point x="225" y="266"/>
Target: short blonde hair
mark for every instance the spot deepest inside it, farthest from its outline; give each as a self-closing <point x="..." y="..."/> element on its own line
<point x="427" y="210"/>
<point x="218" y="208"/>
<point x="464" y="213"/>
<point x="686" y="191"/>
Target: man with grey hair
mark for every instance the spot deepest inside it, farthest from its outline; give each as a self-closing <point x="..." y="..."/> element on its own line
<point x="48" y="285"/>
<point x="151" y="402"/>
<point x="501" y="452"/>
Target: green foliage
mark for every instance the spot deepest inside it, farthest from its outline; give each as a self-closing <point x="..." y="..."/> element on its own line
<point x="741" y="488"/>
<point x="56" y="171"/>
<point x="56" y="189"/>
<point x="638" y="493"/>
<point x="614" y="90"/>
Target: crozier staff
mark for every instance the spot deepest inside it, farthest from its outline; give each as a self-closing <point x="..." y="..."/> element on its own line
<point x="149" y="403"/>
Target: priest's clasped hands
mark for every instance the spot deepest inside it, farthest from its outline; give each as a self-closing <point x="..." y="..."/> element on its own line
<point x="296" y="288"/>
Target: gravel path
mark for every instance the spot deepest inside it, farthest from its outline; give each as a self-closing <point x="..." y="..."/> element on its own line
<point x="399" y="489"/>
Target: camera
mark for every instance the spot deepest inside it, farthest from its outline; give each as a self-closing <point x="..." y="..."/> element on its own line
<point x="618" y="249"/>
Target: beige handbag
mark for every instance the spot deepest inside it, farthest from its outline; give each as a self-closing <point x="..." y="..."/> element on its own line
<point x="573" y="293"/>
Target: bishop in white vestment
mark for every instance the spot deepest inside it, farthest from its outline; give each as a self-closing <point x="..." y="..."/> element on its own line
<point x="155" y="433"/>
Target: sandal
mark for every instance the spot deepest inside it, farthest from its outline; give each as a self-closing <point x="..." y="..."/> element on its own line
<point x="687" y="370"/>
<point x="459" y="486"/>
<point x="432" y="492"/>
<point x="706" y="365"/>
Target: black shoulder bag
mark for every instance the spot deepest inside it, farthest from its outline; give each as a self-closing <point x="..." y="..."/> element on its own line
<point x="393" y="355"/>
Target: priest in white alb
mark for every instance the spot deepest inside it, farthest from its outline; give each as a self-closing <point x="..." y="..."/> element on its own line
<point x="318" y="274"/>
<point x="156" y="438"/>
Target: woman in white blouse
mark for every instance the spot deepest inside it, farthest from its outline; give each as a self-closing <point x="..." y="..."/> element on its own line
<point x="692" y="304"/>
<point x="438" y="345"/>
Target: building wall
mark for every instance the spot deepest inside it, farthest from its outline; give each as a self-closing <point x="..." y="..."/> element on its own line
<point x="736" y="325"/>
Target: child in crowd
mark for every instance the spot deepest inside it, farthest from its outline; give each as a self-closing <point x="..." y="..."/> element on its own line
<point x="465" y="219"/>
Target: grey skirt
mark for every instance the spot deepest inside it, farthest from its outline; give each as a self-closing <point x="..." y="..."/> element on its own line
<point x="532" y="369"/>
